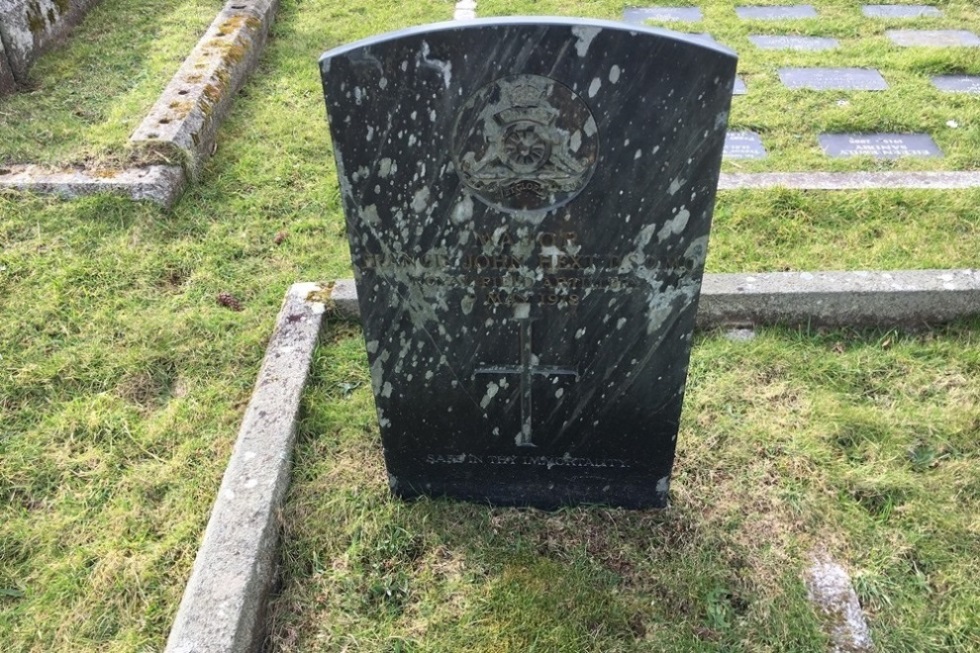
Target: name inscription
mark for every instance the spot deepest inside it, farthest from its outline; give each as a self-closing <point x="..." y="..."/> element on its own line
<point x="548" y="268"/>
<point x="536" y="461"/>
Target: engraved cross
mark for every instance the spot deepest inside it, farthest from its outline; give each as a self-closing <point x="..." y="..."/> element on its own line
<point x="527" y="368"/>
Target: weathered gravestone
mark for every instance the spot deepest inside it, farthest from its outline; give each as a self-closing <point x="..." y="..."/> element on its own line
<point x="528" y="204"/>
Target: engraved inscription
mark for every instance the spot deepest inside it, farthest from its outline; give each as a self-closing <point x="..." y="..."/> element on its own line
<point x="525" y="143"/>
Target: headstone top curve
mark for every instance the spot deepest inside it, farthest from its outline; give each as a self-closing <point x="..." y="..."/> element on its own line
<point x="531" y="21"/>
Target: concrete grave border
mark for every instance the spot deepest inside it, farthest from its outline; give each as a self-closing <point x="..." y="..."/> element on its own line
<point x="181" y="126"/>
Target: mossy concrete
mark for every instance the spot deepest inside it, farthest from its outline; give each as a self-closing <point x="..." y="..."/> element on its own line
<point x="29" y="28"/>
<point x="224" y="602"/>
<point x="160" y="184"/>
<point x="182" y="126"/>
<point x="7" y="82"/>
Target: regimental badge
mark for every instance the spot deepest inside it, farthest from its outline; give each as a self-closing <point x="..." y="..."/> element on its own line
<point x="525" y="143"/>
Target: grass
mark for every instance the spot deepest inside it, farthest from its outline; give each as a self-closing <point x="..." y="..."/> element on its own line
<point x="82" y="104"/>
<point x="123" y="381"/>
<point x="860" y="444"/>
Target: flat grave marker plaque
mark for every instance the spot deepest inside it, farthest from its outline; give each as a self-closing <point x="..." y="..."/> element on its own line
<point x="879" y="146"/>
<point x="957" y="83"/>
<point x="744" y="145"/>
<point x="935" y="38"/>
<point x="528" y="204"/>
<point x="639" y="15"/>
<point x="900" y="11"/>
<point x="812" y="43"/>
<point x="785" y="12"/>
<point x="833" y="79"/>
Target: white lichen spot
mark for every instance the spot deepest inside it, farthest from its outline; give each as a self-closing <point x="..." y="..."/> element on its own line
<point x="575" y="142"/>
<point x="372" y="347"/>
<point x="663" y="484"/>
<point x="637" y="154"/>
<point x="492" y="390"/>
<point x="585" y="36"/>
<point x="383" y="83"/>
<point x="386" y="389"/>
<point x="559" y="392"/>
<point x="614" y="73"/>
<point x="676" y="184"/>
<point x="385" y="167"/>
<point x="463" y="211"/>
<point x="675" y="225"/>
<point x="620" y="323"/>
<point x="421" y="200"/>
<point x="594" y="87"/>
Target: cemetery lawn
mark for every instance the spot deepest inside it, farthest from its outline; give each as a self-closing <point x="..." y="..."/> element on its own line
<point x="86" y="98"/>
<point x="861" y="445"/>
<point x="132" y="338"/>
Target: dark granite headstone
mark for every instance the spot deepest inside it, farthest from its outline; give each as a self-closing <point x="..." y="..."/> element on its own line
<point x="528" y="204"/>
<point x="744" y="145"/>
<point x="814" y="43"/>
<point x="957" y="83"/>
<point x="833" y="79"/>
<point x="936" y="38"/>
<point x="879" y="146"/>
<point x="900" y="11"/>
<point x="786" y="12"/>
<point x="639" y="15"/>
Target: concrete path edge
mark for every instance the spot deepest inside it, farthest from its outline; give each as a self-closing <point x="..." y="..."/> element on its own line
<point x="222" y="610"/>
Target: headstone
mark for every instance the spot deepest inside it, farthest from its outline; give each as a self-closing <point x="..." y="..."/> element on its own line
<point x="900" y="11"/>
<point x="639" y="15"/>
<point x="814" y="43"/>
<point x="879" y="146"/>
<point x="957" y="83"/>
<point x="739" y="87"/>
<point x="702" y="37"/>
<point x="787" y="12"/>
<point x="744" y="145"/>
<point x="528" y="204"/>
<point x="833" y="79"/>
<point x="937" y="38"/>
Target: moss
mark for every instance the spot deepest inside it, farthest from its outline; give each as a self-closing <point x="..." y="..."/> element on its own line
<point x="35" y="17"/>
<point x="62" y="6"/>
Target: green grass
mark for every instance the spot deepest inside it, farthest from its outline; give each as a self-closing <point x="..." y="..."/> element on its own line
<point x="123" y="382"/>
<point x="86" y="98"/>
<point x="789" y="121"/>
<point x="860" y="444"/>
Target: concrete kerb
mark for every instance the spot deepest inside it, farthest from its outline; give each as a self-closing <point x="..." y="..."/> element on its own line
<point x="160" y="184"/>
<point x="183" y="123"/>
<point x="901" y="298"/>
<point x="223" y="606"/>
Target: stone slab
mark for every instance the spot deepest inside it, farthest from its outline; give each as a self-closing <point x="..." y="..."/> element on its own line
<point x="829" y="588"/>
<point x="160" y="184"/>
<point x="879" y="146"/>
<point x="908" y="298"/>
<point x="833" y="79"/>
<point x="182" y="125"/>
<point x="744" y="145"/>
<point x="465" y="10"/>
<point x="739" y="88"/>
<point x="639" y="15"/>
<point x="900" y="11"/>
<point x="785" y="12"/>
<point x="223" y="604"/>
<point x="811" y="43"/>
<point x="7" y="82"/>
<point x="957" y="83"/>
<point x="939" y="38"/>
<point x="28" y="28"/>
<point x="849" y="180"/>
